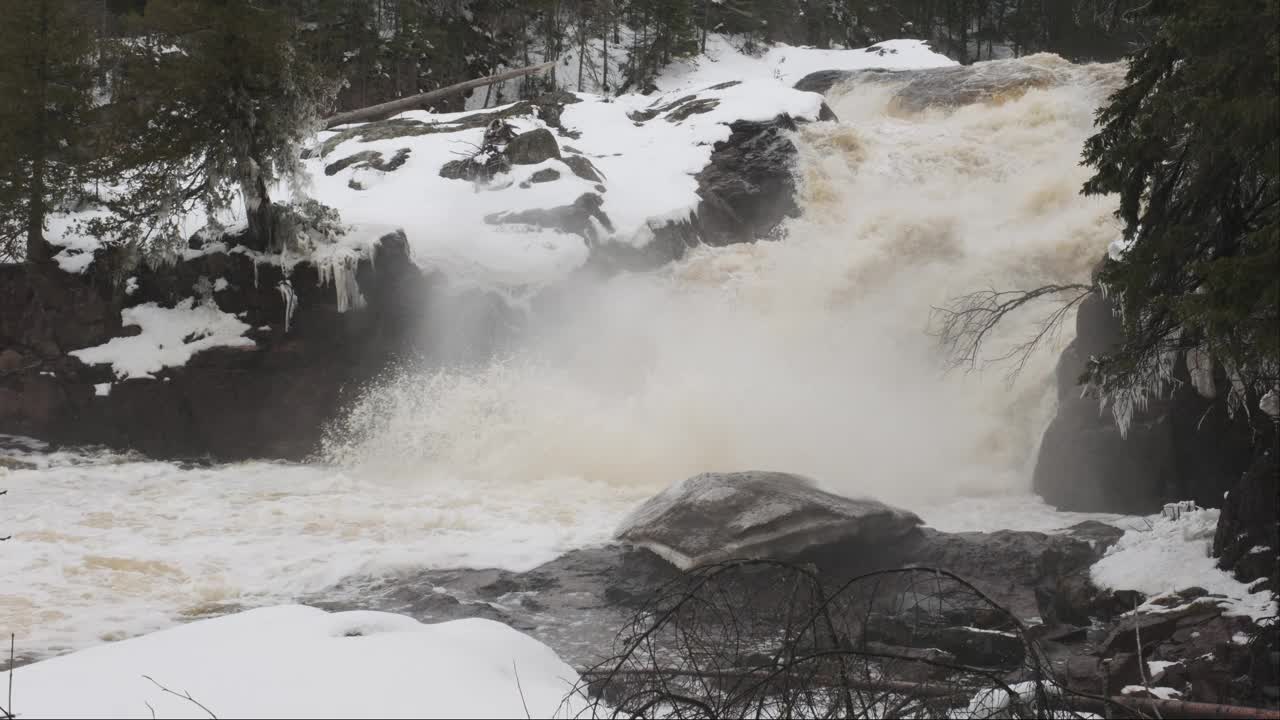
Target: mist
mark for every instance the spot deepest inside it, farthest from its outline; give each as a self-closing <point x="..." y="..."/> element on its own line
<point x="810" y="354"/>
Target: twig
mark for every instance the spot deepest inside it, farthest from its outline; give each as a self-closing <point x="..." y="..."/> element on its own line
<point x="184" y="695"/>
<point x="8" y="709"/>
<point x="1142" y="662"/>
<point x="520" y="689"/>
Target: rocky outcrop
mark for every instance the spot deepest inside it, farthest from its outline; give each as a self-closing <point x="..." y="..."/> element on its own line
<point x="745" y="192"/>
<point x="1180" y="447"/>
<point x="577" y="602"/>
<point x="533" y="147"/>
<point x="748" y="188"/>
<point x="717" y="516"/>
<point x="269" y="400"/>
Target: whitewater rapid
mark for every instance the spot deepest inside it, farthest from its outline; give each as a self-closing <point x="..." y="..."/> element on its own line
<point x="807" y="355"/>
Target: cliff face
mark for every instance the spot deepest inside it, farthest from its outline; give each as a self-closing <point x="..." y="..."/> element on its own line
<point x="267" y="395"/>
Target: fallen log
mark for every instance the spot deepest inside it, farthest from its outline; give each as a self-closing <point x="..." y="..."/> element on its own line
<point x="1142" y="707"/>
<point x="382" y="111"/>
<point x="1154" y="707"/>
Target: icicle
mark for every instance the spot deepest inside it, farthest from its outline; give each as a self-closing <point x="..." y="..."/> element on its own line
<point x="1200" y="366"/>
<point x="1270" y="403"/>
<point x="1238" y="392"/>
<point x="340" y="272"/>
<point x="290" y="299"/>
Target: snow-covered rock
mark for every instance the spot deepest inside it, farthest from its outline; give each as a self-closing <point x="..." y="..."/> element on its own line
<point x="718" y="516"/>
<point x="1173" y="554"/>
<point x="297" y="661"/>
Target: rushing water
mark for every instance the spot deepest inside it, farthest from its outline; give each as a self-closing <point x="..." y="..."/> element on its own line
<point x="808" y="355"/>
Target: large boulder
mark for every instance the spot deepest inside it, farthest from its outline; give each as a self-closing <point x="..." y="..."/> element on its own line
<point x="533" y="147"/>
<point x="716" y="516"/>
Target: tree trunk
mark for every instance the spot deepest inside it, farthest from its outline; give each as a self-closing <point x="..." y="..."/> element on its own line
<point x="38" y="251"/>
<point x="257" y="210"/>
<point x="706" y="18"/>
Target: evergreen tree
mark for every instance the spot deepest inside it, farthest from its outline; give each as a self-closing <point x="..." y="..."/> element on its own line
<point x="1192" y="146"/>
<point x="214" y="101"/>
<point x="46" y="83"/>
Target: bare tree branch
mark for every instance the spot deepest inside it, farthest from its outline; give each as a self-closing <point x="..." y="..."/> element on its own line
<point x="966" y="324"/>
<point x="184" y="695"/>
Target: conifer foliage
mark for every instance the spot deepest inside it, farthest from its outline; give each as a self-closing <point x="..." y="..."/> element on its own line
<point x="1192" y="146"/>
<point x="46" y="98"/>
<point x="213" y="103"/>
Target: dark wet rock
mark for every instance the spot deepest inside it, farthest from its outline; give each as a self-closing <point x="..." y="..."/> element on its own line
<point x="544" y="175"/>
<point x="1023" y="572"/>
<point x="549" y="105"/>
<point x="271" y="400"/>
<point x="695" y="107"/>
<point x="1248" y="535"/>
<point x="369" y="158"/>
<point x="583" y="168"/>
<point x="363" y="156"/>
<point x="575" y="218"/>
<point x="654" y="110"/>
<point x="968" y="645"/>
<point x="532" y="147"/>
<point x="717" y="516"/>
<point x="822" y="81"/>
<point x="748" y="188"/>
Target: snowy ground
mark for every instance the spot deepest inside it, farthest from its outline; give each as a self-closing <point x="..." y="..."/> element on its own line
<point x="1164" y="555"/>
<point x="295" y="661"/>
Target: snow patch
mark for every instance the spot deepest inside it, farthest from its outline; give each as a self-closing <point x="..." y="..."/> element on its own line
<point x="169" y="338"/>
<point x="1172" y="555"/>
<point x="1164" y="693"/>
<point x="296" y="661"/>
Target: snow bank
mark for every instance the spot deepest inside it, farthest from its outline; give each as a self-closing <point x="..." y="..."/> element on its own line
<point x="296" y="661"/>
<point x="1174" y="554"/>
<point x="169" y="337"/>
